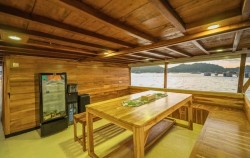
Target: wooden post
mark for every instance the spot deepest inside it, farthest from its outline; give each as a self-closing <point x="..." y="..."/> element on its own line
<point x="6" y="95"/>
<point x="241" y="73"/>
<point x="129" y="75"/>
<point x="165" y="74"/>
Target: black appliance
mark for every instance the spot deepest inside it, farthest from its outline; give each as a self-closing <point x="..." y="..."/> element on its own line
<point x="83" y="100"/>
<point x="53" y="110"/>
<point x="72" y="88"/>
<point x="72" y="102"/>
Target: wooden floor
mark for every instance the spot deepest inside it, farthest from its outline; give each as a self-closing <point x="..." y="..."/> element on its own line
<point x="177" y="143"/>
<point x="226" y="133"/>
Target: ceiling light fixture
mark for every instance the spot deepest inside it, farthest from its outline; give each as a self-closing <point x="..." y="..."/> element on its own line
<point x="219" y="50"/>
<point x="213" y="27"/>
<point x="16" y="38"/>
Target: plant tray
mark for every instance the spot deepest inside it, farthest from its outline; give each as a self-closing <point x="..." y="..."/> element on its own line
<point x="143" y="100"/>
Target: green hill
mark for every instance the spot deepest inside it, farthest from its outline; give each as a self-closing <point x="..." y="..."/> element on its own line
<point x="147" y="69"/>
<point x="190" y="68"/>
<point x="197" y="67"/>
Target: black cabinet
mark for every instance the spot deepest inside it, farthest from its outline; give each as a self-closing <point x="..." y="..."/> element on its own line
<point x="72" y="102"/>
<point x="83" y="100"/>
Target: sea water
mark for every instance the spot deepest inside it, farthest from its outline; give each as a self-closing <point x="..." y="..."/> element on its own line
<point x="188" y="81"/>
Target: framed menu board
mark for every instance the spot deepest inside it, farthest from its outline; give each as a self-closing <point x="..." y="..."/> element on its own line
<point x="53" y="109"/>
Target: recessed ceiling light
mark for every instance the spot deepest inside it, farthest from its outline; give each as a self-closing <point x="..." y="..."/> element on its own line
<point x="213" y="27"/>
<point x="219" y="50"/>
<point x="15" y="38"/>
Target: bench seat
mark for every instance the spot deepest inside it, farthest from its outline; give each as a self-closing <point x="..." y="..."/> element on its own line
<point x="226" y="133"/>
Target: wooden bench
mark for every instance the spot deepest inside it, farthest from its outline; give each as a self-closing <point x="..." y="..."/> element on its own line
<point x="104" y="132"/>
<point x="226" y="133"/>
<point x="81" y="118"/>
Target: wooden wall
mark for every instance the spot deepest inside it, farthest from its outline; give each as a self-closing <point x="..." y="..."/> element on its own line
<point x="247" y="108"/>
<point x="102" y="81"/>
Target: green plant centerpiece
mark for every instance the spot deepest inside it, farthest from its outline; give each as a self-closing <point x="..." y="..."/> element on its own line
<point x="143" y="99"/>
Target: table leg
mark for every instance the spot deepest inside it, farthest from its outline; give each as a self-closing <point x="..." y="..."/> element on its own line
<point x="139" y="142"/>
<point x="90" y="137"/>
<point x="190" y="115"/>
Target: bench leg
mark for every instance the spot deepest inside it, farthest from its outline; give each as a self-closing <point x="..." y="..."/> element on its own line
<point x="190" y="115"/>
<point x="83" y="137"/>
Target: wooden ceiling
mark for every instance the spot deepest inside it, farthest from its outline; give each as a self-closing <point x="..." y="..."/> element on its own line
<point x="119" y="31"/>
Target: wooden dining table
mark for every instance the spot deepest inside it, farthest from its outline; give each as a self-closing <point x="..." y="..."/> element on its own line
<point x="139" y="119"/>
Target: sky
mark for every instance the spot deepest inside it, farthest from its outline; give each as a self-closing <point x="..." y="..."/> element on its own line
<point x="227" y="63"/>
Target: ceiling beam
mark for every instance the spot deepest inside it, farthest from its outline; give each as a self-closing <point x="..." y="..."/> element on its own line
<point x="44" y="20"/>
<point x="198" y="45"/>
<point x="179" y="40"/>
<point x="161" y="53"/>
<point x="8" y="51"/>
<point x="51" y="37"/>
<point x="179" y="52"/>
<point x="109" y="20"/>
<point x="216" y="56"/>
<point x="237" y="37"/>
<point x="246" y="9"/>
<point x="149" y="56"/>
<point x="51" y="50"/>
<point x="169" y="13"/>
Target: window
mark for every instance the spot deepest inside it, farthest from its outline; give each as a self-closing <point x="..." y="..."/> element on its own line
<point x="216" y="75"/>
<point x="148" y="76"/>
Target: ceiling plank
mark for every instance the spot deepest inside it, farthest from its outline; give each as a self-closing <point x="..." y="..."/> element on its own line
<point x="183" y="39"/>
<point x="169" y="13"/>
<point x="236" y="40"/>
<point x="149" y="56"/>
<point x="198" y="45"/>
<point x="53" y="37"/>
<point x="109" y="20"/>
<point x="179" y="52"/>
<point x="44" y="20"/>
<point x="221" y="19"/>
<point x="246" y="9"/>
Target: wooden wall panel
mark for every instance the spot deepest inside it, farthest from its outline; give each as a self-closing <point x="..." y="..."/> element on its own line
<point x="101" y="81"/>
<point x="247" y="108"/>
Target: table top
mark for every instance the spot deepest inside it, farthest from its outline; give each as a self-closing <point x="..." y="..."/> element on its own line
<point x="139" y="116"/>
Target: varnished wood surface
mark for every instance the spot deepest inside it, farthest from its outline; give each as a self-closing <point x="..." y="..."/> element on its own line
<point x="141" y="115"/>
<point x="102" y="81"/>
<point x="139" y="120"/>
<point x="247" y="108"/>
<point x="225" y="99"/>
<point x="225" y="134"/>
<point x="104" y="25"/>
<point x="125" y="148"/>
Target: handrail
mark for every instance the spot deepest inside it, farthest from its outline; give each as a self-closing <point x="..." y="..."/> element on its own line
<point x="246" y="85"/>
<point x="226" y="94"/>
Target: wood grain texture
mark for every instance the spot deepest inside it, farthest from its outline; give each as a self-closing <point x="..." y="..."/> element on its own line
<point x="223" y="99"/>
<point x="241" y="73"/>
<point x="247" y="108"/>
<point x="140" y="119"/>
<point x="102" y="81"/>
<point x="224" y="134"/>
